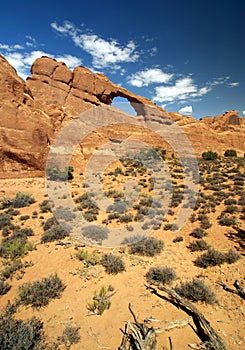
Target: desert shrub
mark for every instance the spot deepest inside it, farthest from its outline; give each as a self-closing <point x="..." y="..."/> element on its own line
<point x="230" y="153"/>
<point x="49" y="223"/>
<point x="117" y="206"/>
<point x="101" y="301"/>
<point x="95" y="233"/>
<point x="10" y="267"/>
<point x="69" y="337"/>
<point x="149" y="246"/>
<point x="6" y="203"/>
<point x="231" y="209"/>
<point x="12" y="212"/>
<point x="88" y="258"/>
<point x="24" y="217"/>
<point x="198" y="245"/>
<point x="54" y="173"/>
<point x="39" y="293"/>
<point x="23" y="199"/>
<point x="196" y="290"/>
<point x="178" y="239"/>
<point x="5" y="220"/>
<point x="205" y="223"/>
<point x="164" y="275"/>
<point x="23" y="232"/>
<point x="91" y="214"/>
<point x="168" y="227"/>
<point x="63" y="213"/>
<point x="46" y="206"/>
<point x="230" y="201"/>
<point x="15" y="247"/>
<point x="227" y="221"/>
<point x="20" y="335"/>
<point x="231" y="256"/>
<point x="4" y="287"/>
<point x="126" y="218"/>
<point x="209" y="155"/>
<point x="54" y="233"/>
<point x="132" y="239"/>
<point x="113" y="264"/>
<point x="198" y="232"/>
<point x="213" y="257"/>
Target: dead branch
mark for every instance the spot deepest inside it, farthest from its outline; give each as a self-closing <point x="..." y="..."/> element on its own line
<point x="138" y="336"/>
<point x="239" y="290"/>
<point x="202" y="324"/>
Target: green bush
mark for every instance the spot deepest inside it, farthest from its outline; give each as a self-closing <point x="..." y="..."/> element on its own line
<point x="101" y="301"/>
<point x="113" y="264"/>
<point x="23" y="199"/>
<point x="230" y="153"/>
<point x="149" y="246"/>
<point x="15" y="247"/>
<point x="164" y="275"/>
<point x="39" y="293"/>
<point x="88" y="258"/>
<point x="209" y="155"/>
<point x="95" y="233"/>
<point x="195" y="291"/>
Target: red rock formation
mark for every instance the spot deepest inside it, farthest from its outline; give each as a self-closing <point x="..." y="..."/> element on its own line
<point x="32" y="112"/>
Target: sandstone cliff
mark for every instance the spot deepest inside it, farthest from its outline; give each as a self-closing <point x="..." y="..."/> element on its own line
<point x="32" y="112"/>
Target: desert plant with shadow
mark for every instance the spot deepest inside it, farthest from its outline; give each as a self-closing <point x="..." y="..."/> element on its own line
<point x="196" y="290"/>
<point x="164" y="275"/>
<point x="149" y="246"/>
<point x="101" y="301"/>
<point x="39" y="293"/>
<point x="113" y="264"/>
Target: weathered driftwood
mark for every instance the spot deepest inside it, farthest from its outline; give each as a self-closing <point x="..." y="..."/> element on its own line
<point x="137" y="336"/>
<point x="239" y="290"/>
<point x="206" y="333"/>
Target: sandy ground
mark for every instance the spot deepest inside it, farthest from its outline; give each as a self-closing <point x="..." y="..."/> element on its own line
<point x="103" y="332"/>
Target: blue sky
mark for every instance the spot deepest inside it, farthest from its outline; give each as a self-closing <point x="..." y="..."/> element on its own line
<point x="186" y="56"/>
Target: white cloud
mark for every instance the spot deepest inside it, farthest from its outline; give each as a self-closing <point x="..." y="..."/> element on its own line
<point x="243" y="113"/>
<point x="149" y="76"/>
<point x="235" y="84"/>
<point x="183" y="89"/>
<point x="10" y="48"/>
<point x="105" y="53"/>
<point x="186" y="110"/>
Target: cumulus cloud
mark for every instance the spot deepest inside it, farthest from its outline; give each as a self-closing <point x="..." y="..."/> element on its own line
<point x="186" y="110"/>
<point x="243" y="113"/>
<point x="105" y="53"/>
<point x="183" y="89"/>
<point x="149" y="76"/>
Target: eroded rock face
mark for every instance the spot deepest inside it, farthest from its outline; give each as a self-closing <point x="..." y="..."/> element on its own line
<point x="32" y="112"/>
<point x="24" y="130"/>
